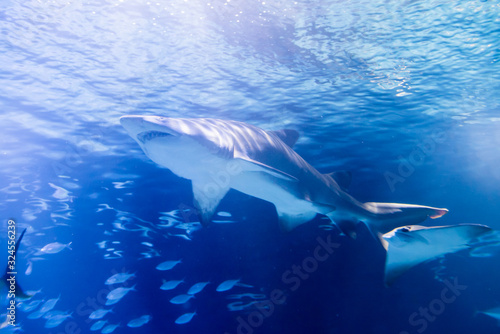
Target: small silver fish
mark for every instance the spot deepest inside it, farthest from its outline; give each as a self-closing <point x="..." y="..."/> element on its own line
<point x="49" y="305"/>
<point x="119" y="293"/>
<point x="98" y="314"/>
<point x="227" y="285"/>
<point x="198" y="287"/>
<point x="167" y="265"/>
<point x="139" y="321"/>
<point x="54" y="247"/>
<point x="29" y="270"/>
<point x="223" y="214"/>
<point x="181" y="299"/>
<point x="118" y="278"/>
<point x="32" y="293"/>
<point x="28" y="307"/>
<point x="98" y="325"/>
<point x="110" y="302"/>
<point x="56" y="320"/>
<point x="36" y="315"/>
<point x="109" y="329"/>
<point x="53" y="313"/>
<point x="170" y="285"/>
<point x="185" y="318"/>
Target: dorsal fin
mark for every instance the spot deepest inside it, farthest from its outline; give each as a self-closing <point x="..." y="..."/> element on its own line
<point x="3" y="280"/>
<point x="16" y="247"/>
<point x="288" y="136"/>
<point x="342" y="177"/>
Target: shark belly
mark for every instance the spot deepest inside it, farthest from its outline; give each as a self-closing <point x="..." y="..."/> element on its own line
<point x="183" y="156"/>
<point x="292" y="208"/>
<point x="283" y="194"/>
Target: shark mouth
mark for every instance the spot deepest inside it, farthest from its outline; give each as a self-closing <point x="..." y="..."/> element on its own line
<point x="146" y="136"/>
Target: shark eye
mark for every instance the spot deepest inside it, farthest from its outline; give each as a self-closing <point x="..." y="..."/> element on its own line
<point x="405" y="229"/>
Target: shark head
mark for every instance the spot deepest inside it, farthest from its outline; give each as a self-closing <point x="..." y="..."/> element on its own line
<point x="158" y="138"/>
<point x="178" y="144"/>
<point x="147" y="128"/>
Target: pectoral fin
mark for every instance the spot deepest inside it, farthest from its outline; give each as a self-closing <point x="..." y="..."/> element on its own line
<point x="207" y="196"/>
<point x="290" y="221"/>
<point x="255" y="166"/>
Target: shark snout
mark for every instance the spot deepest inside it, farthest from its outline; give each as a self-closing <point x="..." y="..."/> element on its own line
<point x="133" y="124"/>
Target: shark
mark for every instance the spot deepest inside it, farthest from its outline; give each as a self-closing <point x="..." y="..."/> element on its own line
<point x="218" y="155"/>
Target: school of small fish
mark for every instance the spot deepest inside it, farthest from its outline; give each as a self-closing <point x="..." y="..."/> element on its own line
<point x="168" y="221"/>
<point x="179" y="291"/>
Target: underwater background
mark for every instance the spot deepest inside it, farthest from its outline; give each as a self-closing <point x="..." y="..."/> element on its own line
<point x="404" y="94"/>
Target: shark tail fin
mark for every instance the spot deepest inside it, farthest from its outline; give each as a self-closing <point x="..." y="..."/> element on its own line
<point x="384" y="217"/>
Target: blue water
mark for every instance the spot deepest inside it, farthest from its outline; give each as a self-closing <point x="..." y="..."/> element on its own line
<point x="370" y="85"/>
